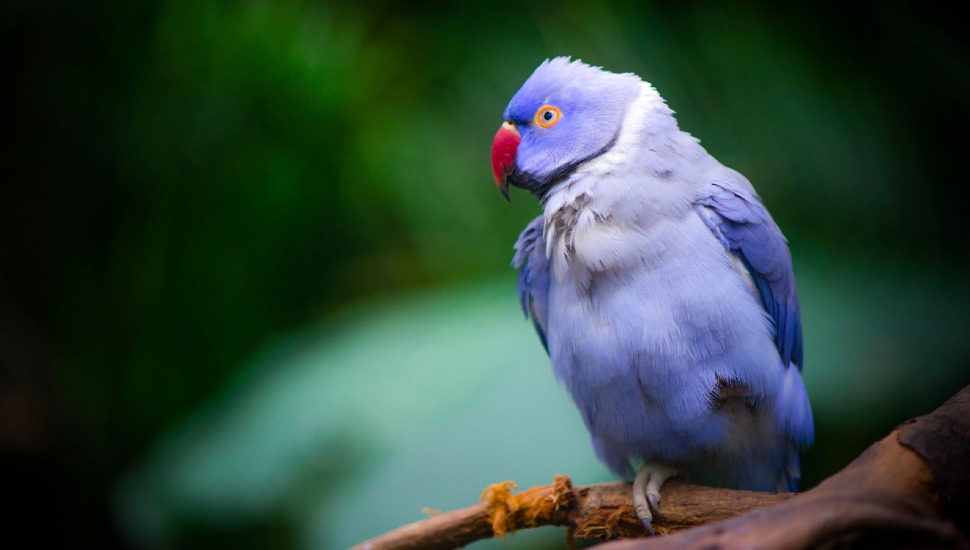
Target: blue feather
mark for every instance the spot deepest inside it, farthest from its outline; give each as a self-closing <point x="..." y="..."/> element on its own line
<point x="742" y="224"/>
<point x="533" y="276"/>
<point x="659" y="285"/>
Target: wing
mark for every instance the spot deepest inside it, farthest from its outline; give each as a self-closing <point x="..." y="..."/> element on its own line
<point x="733" y="211"/>
<point x="530" y="259"/>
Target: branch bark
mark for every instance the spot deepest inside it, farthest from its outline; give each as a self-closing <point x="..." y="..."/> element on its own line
<point x="912" y="488"/>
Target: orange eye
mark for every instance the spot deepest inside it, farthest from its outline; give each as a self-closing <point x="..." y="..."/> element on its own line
<point x="547" y="116"/>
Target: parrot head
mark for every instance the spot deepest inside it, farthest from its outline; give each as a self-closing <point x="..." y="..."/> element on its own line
<point x="565" y="114"/>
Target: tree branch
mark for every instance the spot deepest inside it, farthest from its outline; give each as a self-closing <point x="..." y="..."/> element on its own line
<point x="910" y="489"/>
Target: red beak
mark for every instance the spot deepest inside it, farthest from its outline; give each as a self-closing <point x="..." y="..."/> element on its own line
<point x="504" y="148"/>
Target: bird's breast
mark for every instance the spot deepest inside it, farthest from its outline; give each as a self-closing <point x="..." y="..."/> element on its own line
<point x="584" y="243"/>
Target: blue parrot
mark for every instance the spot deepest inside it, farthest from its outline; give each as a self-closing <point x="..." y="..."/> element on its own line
<point x="659" y="285"/>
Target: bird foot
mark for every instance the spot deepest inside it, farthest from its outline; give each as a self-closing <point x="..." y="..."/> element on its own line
<point x="646" y="491"/>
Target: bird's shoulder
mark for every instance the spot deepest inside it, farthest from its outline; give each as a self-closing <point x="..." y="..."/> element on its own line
<point x="735" y="214"/>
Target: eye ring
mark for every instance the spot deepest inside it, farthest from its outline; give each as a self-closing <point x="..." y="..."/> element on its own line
<point x="547" y="116"/>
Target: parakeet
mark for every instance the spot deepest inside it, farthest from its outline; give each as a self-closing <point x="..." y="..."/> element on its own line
<point x="659" y="285"/>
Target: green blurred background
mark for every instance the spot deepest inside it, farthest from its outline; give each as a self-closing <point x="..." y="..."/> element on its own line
<point x="254" y="271"/>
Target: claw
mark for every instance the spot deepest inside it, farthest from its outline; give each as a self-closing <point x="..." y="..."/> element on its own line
<point x="654" y="501"/>
<point x="647" y="526"/>
<point x="646" y="492"/>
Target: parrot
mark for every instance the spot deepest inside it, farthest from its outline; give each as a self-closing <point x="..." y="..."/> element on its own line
<point x="659" y="285"/>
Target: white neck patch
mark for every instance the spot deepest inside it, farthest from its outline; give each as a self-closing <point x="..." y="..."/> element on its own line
<point x="626" y="142"/>
<point x="625" y="148"/>
<point x="578" y="215"/>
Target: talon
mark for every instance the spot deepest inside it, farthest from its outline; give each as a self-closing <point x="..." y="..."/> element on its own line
<point x="647" y="526"/>
<point x="646" y="492"/>
<point x="654" y="501"/>
<point x="641" y="505"/>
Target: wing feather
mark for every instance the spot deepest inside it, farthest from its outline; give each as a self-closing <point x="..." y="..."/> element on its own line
<point x="735" y="214"/>
<point x="530" y="259"/>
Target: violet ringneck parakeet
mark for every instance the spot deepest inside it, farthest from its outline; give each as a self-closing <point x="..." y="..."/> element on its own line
<point x="658" y="283"/>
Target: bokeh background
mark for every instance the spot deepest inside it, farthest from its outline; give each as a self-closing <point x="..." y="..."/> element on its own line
<point x="254" y="271"/>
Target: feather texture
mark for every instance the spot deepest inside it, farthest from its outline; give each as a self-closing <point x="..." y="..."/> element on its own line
<point x="659" y="285"/>
<point x="533" y="277"/>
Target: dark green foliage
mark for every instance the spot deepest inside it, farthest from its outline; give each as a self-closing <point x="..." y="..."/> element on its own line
<point x="183" y="180"/>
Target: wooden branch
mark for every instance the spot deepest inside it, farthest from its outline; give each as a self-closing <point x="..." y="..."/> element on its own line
<point x="592" y="511"/>
<point x="910" y="489"/>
